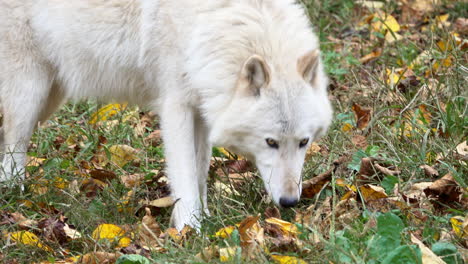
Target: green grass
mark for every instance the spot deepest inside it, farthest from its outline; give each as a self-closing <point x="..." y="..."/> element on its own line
<point x="363" y="239"/>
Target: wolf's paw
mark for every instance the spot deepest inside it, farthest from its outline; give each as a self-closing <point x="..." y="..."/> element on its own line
<point x="186" y="214"/>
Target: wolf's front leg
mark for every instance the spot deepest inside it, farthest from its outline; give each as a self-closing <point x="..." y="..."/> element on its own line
<point x="203" y="150"/>
<point x="178" y="133"/>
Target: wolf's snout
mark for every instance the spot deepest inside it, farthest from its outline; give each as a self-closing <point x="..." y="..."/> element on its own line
<point x="288" y="202"/>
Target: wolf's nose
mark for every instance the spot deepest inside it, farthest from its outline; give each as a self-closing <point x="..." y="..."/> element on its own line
<point x="288" y="202"/>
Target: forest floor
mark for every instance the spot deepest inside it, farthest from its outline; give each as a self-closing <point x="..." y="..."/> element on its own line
<point x="387" y="184"/>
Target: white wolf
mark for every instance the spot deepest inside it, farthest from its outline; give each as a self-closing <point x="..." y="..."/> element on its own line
<point x="244" y="74"/>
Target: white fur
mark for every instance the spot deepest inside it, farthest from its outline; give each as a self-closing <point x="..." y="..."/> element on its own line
<point x="181" y="58"/>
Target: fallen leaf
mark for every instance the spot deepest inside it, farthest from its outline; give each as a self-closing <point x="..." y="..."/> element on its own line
<point x="371" y="4"/>
<point x="313" y="186"/>
<point x="99" y="258"/>
<point x="131" y="181"/>
<point x="429" y="171"/>
<point x="178" y="236"/>
<point x="27" y="238"/>
<point x="371" y="192"/>
<point x="17" y="218"/>
<point x="445" y="189"/>
<point x="122" y="154"/>
<point x="154" y="139"/>
<point x="111" y="233"/>
<point x="34" y="161"/>
<point x="208" y="254"/>
<point x="160" y="203"/>
<point x="225" y="232"/>
<point x="227" y="254"/>
<point x="371" y="56"/>
<point x="288" y="229"/>
<point x="57" y="230"/>
<point x="102" y="175"/>
<point x="149" y="233"/>
<point x="460" y="226"/>
<point x="462" y="149"/>
<point x="428" y="257"/>
<point x="287" y="260"/>
<point x="387" y="171"/>
<point x="359" y="141"/>
<point x="106" y="112"/>
<point x="385" y="22"/>
<point x="363" y="116"/>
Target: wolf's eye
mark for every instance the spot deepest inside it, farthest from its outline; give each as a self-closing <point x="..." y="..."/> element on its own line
<point x="303" y="142"/>
<point x="272" y="143"/>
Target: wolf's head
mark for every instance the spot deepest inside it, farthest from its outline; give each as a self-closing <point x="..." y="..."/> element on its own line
<point x="273" y="118"/>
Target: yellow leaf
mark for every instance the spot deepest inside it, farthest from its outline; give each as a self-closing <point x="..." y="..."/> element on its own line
<point x="123" y="205"/>
<point x="112" y="233"/>
<point x="385" y="22"/>
<point x="287" y="260"/>
<point x="229" y="155"/>
<point x="347" y="127"/>
<point x="460" y="226"/>
<point x="371" y="192"/>
<point x="122" y="154"/>
<point x="225" y="232"/>
<point x="227" y="254"/>
<point x="287" y="228"/>
<point x="27" y="238"/>
<point x="106" y="112"/>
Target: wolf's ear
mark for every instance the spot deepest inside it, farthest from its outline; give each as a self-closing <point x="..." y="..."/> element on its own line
<point x="308" y="66"/>
<point x="255" y="74"/>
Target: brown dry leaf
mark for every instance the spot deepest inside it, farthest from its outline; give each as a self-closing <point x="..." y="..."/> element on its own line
<point x="208" y="254"/>
<point x="428" y="257"/>
<point x="131" y="181"/>
<point x="359" y="141"/>
<point x="17" y="218"/>
<point x="446" y="190"/>
<point x="91" y="187"/>
<point x="58" y="230"/>
<point x="272" y="212"/>
<point x="154" y="139"/>
<point x="429" y="171"/>
<point x="313" y="186"/>
<point x="363" y="116"/>
<point x="387" y="171"/>
<point x="149" y="233"/>
<point x="371" y="56"/>
<point x="416" y="191"/>
<point x="251" y="233"/>
<point x="102" y="175"/>
<point x="160" y="203"/>
<point x="99" y="258"/>
<point x="462" y="149"/>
